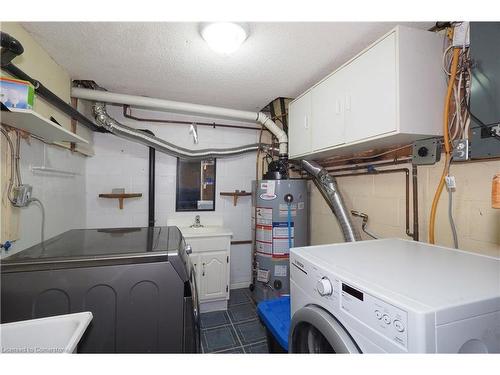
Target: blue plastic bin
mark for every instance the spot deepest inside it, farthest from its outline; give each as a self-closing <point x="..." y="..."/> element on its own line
<point x="275" y="314"/>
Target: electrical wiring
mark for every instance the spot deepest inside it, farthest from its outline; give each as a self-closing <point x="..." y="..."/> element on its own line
<point x="15" y="175"/>
<point x="446" y="115"/>
<point x="42" y="208"/>
<point x="483" y="125"/>
<point x="12" y="168"/>
<point x="450" y="217"/>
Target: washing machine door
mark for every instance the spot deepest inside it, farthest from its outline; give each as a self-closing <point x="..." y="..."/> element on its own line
<point x="315" y="330"/>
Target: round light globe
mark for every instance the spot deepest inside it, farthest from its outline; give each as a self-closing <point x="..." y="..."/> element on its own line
<point x="224" y="37"/>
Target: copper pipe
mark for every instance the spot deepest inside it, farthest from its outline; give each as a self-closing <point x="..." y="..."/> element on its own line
<point x="364" y="165"/>
<point x="211" y="124"/>
<point x="406" y="171"/>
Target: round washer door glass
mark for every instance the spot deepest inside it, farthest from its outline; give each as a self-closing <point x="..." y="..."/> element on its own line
<point x="314" y="330"/>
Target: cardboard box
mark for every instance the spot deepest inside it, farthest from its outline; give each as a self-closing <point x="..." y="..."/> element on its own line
<point x="15" y="93"/>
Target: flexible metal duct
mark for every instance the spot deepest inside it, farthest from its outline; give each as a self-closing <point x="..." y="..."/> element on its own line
<point x="327" y="185"/>
<point x="186" y="108"/>
<point x="105" y="120"/>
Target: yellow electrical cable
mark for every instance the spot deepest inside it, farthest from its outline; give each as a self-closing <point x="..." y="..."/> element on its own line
<point x="447" y="149"/>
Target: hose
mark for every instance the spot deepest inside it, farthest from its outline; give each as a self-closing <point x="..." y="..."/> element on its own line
<point x="364" y="223"/>
<point x="437" y="195"/>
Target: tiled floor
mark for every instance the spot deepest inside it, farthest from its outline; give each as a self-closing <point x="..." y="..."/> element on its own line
<point x="237" y="330"/>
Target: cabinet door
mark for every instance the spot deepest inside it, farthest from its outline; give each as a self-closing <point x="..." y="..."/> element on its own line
<point x="371" y="96"/>
<point x="300" y="126"/>
<point x="213" y="275"/>
<point x="328" y="112"/>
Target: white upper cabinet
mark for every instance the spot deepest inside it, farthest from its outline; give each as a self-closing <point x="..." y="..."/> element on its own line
<point x="300" y="120"/>
<point x="371" y="94"/>
<point x="328" y="106"/>
<point x="390" y="94"/>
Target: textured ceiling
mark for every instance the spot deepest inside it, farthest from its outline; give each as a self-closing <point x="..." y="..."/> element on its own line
<point x="171" y="61"/>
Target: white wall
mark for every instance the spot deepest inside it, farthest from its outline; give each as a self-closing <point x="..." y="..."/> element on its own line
<point x="62" y="196"/>
<point x="121" y="163"/>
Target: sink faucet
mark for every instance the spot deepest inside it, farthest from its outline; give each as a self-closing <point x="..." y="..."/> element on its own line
<point x="197" y="223"/>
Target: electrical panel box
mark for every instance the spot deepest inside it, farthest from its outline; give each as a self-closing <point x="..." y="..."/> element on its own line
<point x="485" y="92"/>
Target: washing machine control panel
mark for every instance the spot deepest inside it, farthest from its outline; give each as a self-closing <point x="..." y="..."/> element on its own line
<point x="381" y="316"/>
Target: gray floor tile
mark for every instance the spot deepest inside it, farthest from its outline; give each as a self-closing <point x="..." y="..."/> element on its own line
<point x="250" y="332"/>
<point x="260" y="347"/>
<point x="214" y="319"/>
<point x="240" y="313"/>
<point x="238" y="350"/>
<point x="220" y="338"/>
<point x="238" y="296"/>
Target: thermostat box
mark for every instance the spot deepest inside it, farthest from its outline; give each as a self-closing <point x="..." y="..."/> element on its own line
<point x="15" y="93"/>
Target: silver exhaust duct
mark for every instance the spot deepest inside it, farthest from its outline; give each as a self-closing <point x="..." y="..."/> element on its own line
<point x="106" y="121"/>
<point x="327" y="185"/>
<point x="102" y="96"/>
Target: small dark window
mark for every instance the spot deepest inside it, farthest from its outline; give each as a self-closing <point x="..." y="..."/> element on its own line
<point x="195" y="185"/>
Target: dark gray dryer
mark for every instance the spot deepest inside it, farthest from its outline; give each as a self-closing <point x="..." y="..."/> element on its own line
<point x="137" y="282"/>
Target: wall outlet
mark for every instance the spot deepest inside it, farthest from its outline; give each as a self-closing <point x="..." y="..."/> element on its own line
<point x="460" y="150"/>
<point x="426" y="151"/>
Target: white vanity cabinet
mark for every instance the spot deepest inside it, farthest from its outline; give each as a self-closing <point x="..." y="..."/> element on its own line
<point x="210" y="257"/>
<point x="389" y="94"/>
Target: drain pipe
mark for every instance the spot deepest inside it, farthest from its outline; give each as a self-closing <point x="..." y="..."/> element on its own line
<point x="327" y="185"/>
<point x="186" y="108"/>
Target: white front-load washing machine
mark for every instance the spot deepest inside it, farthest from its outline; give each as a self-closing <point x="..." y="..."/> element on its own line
<point x="393" y="296"/>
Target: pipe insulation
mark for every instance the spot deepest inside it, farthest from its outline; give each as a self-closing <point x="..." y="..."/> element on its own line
<point x="106" y="121"/>
<point x="327" y="185"/>
<point x="186" y="108"/>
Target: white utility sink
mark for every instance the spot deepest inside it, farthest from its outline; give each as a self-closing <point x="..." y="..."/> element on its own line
<point x="55" y="334"/>
<point x="205" y="231"/>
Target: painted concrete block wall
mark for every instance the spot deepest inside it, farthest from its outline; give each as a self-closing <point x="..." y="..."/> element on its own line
<point x="382" y="197"/>
<point x="121" y="163"/>
<point x="62" y="196"/>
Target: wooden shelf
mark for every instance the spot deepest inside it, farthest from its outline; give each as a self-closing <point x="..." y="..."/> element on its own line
<point x="120" y="197"/>
<point x="32" y="122"/>
<point x="235" y="194"/>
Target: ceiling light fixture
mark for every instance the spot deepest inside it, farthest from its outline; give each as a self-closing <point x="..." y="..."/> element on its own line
<point x="224" y="37"/>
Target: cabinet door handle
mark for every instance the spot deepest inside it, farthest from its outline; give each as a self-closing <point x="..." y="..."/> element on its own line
<point x="337" y="107"/>
<point x="203" y="270"/>
<point x="306" y="123"/>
